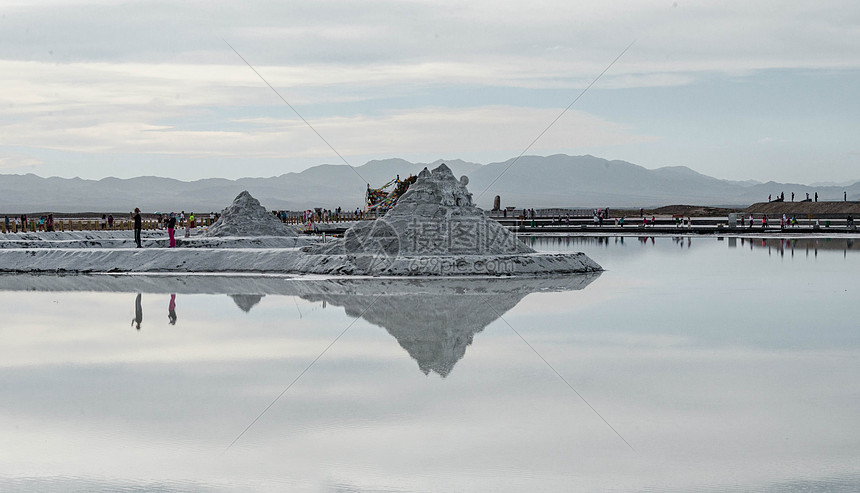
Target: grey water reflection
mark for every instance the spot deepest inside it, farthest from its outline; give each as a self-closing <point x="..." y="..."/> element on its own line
<point x="805" y="246"/>
<point x="434" y="320"/>
<point x="773" y="244"/>
<point x="728" y="368"/>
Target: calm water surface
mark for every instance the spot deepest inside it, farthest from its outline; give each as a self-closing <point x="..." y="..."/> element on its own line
<point x="689" y="365"/>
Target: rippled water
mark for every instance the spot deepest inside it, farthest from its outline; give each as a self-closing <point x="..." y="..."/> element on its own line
<point x="689" y="365"/>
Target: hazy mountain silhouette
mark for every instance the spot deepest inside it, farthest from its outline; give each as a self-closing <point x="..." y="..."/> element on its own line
<point x="533" y="181"/>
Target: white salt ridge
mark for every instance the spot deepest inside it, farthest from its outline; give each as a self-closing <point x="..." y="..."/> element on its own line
<point x="283" y="261"/>
<point x="150" y="239"/>
<point x="58" y="260"/>
<point x="246" y="217"/>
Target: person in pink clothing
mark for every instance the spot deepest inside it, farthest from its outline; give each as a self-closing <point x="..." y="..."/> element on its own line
<point x="171" y="229"/>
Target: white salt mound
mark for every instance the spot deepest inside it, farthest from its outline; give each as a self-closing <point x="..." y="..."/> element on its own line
<point x="435" y="217"/>
<point x="435" y="230"/>
<point x="246" y="217"/>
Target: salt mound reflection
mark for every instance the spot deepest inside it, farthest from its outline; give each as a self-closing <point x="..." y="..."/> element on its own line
<point x="435" y="320"/>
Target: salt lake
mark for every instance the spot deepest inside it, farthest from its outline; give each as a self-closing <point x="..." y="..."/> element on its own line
<point x="690" y="364"/>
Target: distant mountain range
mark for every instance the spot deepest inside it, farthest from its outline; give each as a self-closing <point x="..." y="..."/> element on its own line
<point x="532" y="181"/>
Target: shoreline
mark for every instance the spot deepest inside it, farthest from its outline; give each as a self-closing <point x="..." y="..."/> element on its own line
<point x="639" y="230"/>
<point x="112" y="252"/>
<point x="632" y="233"/>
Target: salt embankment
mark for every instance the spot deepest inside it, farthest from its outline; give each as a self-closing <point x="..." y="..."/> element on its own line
<point x="86" y="260"/>
<point x="820" y="210"/>
<point x="150" y="239"/>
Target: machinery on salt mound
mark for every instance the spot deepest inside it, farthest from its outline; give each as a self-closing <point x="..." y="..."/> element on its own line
<point x="380" y="200"/>
<point x="434" y="229"/>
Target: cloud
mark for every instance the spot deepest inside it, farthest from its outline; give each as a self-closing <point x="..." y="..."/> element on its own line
<point x="37" y="87"/>
<point x="554" y="38"/>
<point x="426" y="129"/>
<point x="18" y="161"/>
<point x="157" y="78"/>
<point x="340" y="51"/>
<point x="767" y="141"/>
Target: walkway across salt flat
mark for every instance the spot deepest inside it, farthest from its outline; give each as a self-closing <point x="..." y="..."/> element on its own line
<point x="663" y="225"/>
<point x="113" y="252"/>
<point x="695" y="229"/>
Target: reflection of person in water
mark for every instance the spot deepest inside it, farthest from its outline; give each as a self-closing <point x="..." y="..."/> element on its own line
<point x="138" y="312"/>
<point x="171" y="309"/>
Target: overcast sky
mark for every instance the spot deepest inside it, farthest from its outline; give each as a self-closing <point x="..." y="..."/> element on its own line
<point x="764" y="90"/>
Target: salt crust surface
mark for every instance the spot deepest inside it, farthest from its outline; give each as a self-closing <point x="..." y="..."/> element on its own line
<point x="281" y="260"/>
<point x="150" y="239"/>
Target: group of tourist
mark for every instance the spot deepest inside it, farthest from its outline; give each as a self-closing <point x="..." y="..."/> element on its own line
<point x="557" y="219"/>
<point x="191" y="221"/>
<point x="16" y="224"/>
<point x="681" y="221"/>
<point x="599" y="215"/>
<point x="107" y="221"/>
<point x="814" y="198"/>
<point x="784" y="222"/>
<point x="324" y="215"/>
<point x="25" y="224"/>
<point x="169" y="222"/>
